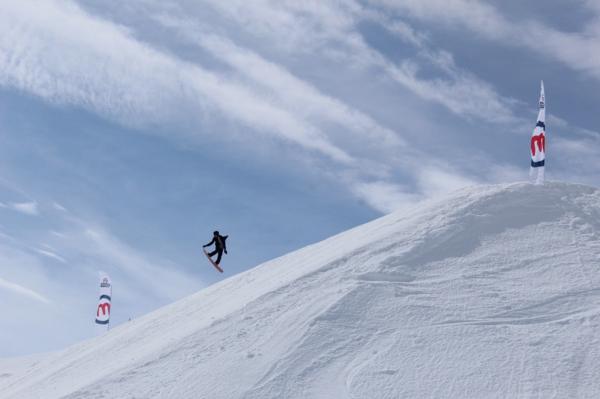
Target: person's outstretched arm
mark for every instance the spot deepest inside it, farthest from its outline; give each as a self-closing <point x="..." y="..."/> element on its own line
<point x="210" y="243"/>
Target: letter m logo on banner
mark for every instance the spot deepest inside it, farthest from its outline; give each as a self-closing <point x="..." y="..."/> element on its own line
<point x="538" y="145"/>
<point x="103" y="311"/>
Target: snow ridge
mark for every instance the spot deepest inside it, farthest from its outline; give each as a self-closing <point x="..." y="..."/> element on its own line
<point x="491" y="292"/>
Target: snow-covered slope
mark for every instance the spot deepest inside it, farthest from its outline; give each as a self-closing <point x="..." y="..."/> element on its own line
<point x="493" y="291"/>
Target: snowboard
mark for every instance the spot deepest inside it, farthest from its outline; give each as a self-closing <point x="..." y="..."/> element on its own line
<point x="212" y="262"/>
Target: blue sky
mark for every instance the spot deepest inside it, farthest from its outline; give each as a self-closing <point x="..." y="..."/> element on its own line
<point x="129" y="132"/>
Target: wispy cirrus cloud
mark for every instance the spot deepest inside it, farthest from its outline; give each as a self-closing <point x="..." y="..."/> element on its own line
<point x="22" y="291"/>
<point x="319" y="27"/>
<point x="463" y="94"/>
<point x="88" y="62"/>
<point x="50" y="254"/>
<point x="157" y="278"/>
<point x="294" y="94"/>
<point x="430" y="182"/>
<point x="459" y="91"/>
<point x="93" y="70"/>
<point x="578" y="50"/>
<point x="28" y="208"/>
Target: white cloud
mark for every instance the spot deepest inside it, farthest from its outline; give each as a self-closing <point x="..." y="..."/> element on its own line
<point x="23" y="291"/>
<point x="556" y="121"/>
<point x="404" y="31"/>
<point x="455" y="88"/>
<point x="99" y="65"/>
<point x="51" y="254"/>
<point x="431" y="181"/>
<point x="385" y="196"/>
<point x="307" y="26"/>
<point x="158" y="277"/>
<point x="464" y="94"/>
<point x="295" y="95"/>
<point x="502" y="173"/>
<point x="578" y="50"/>
<point x="59" y="207"/>
<point x="434" y="181"/>
<point x="477" y="15"/>
<point x="319" y="28"/>
<point x="28" y="208"/>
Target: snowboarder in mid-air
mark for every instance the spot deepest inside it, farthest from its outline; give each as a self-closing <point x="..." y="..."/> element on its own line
<point x="220" y="246"/>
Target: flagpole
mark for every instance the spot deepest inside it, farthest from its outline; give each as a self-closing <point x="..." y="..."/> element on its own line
<point x="110" y="314"/>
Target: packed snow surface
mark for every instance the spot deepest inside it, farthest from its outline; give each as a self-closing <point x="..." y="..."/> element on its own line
<point x="491" y="292"/>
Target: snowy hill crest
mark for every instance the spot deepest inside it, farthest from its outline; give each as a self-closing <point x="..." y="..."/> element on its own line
<point x="493" y="291"/>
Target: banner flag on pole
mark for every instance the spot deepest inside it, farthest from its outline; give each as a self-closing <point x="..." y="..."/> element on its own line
<point x="104" y="303"/>
<point x="538" y="142"/>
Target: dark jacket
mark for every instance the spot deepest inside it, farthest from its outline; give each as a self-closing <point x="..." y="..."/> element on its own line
<point x="219" y="242"/>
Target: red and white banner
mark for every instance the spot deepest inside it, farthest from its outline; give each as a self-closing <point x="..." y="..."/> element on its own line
<point x="104" y="303"/>
<point x="538" y="143"/>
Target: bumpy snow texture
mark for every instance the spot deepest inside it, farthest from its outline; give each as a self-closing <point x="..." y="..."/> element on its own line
<point x="491" y="292"/>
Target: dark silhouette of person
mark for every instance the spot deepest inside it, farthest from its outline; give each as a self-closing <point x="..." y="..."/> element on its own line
<point x="220" y="246"/>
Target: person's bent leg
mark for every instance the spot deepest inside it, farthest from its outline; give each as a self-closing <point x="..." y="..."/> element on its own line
<point x="213" y="253"/>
